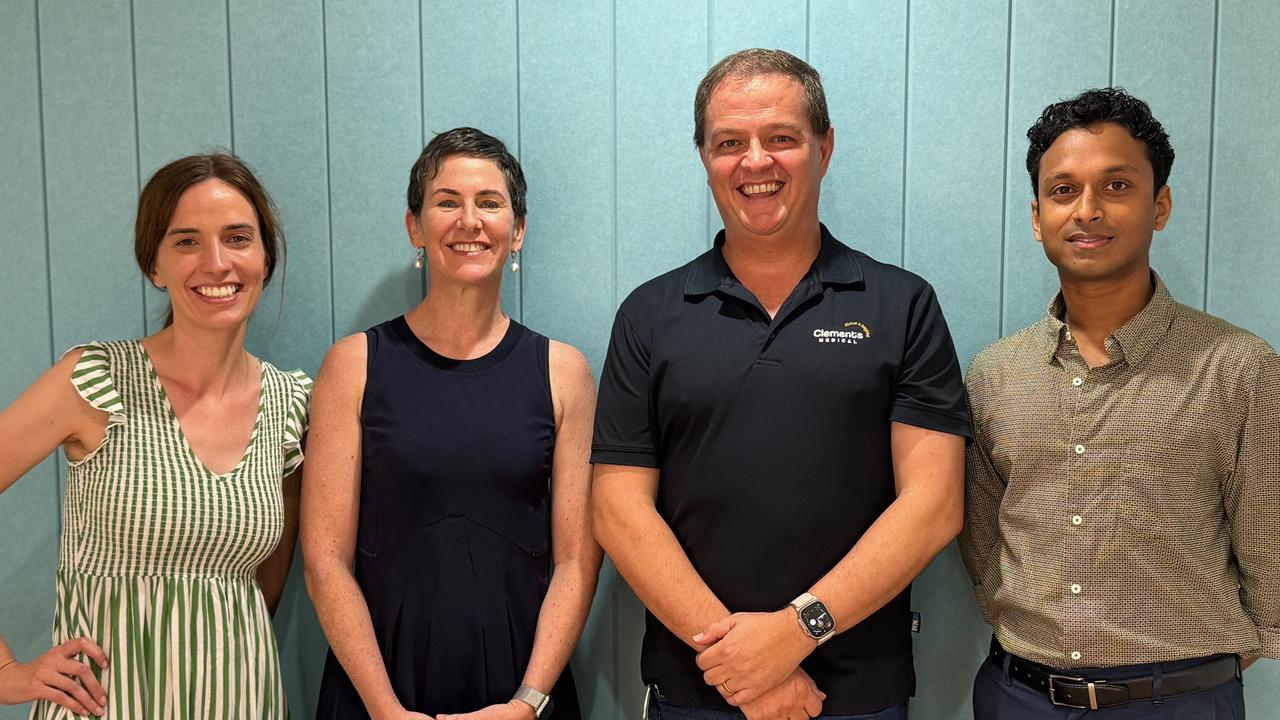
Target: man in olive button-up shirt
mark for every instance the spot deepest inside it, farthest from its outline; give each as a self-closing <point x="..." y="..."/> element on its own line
<point x="1123" y="488"/>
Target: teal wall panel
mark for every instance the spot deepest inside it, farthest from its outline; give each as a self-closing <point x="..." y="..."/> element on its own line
<point x="1164" y="55"/>
<point x="1038" y="76"/>
<point x="375" y="133"/>
<point x="279" y="110"/>
<point x="864" y="74"/>
<point x="183" y="93"/>
<point x="29" y="509"/>
<point x="568" y="151"/>
<point x="86" y="68"/>
<point x="331" y="100"/>
<point x="1243" y="258"/>
<point x="956" y="69"/>
<point x="471" y="77"/>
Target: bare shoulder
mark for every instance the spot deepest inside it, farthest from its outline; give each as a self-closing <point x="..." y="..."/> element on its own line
<point x="568" y="365"/>
<point x="342" y="374"/>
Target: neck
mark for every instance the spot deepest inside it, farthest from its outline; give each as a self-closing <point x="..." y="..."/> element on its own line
<point x="200" y="359"/>
<point x="1096" y="309"/>
<point x="460" y="321"/>
<point x="773" y="255"/>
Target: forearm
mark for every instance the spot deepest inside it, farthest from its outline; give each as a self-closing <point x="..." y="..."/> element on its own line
<point x="648" y="556"/>
<point x="889" y="555"/>
<point x="560" y="621"/>
<point x="344" y="617"/>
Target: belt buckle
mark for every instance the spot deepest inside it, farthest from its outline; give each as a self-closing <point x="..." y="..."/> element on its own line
<point x="1093" y="703"/>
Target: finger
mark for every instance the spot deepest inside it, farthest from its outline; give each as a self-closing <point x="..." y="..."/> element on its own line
<point x="812" y="706"/>
<point x="66" y="686"/>
<point x="58" y="697"/>
<point x="91" y="649"/>
<point x="715" y="631"/>
<point x="82" y="672"/>
<point x="716" y="676"/>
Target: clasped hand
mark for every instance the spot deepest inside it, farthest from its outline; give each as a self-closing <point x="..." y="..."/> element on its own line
<point x="750" y="654"/>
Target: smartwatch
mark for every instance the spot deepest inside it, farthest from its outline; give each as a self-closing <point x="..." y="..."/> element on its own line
<point x="540" y="701"/>
<point x="814" y="617"/>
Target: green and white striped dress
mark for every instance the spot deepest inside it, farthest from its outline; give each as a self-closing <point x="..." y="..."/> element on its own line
<point x="159" y="553"/>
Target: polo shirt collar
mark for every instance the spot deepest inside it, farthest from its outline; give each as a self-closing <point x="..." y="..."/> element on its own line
<point x="1134" y="340"/>
<point x="836" y="264"/>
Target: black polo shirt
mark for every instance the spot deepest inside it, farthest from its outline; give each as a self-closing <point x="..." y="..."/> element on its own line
<point x="773" y="441"/>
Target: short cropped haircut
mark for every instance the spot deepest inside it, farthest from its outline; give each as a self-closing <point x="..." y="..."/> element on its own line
<point x="753" y="63"/>
<point x="1101" y="105"/>
<point x="466" y="142"/>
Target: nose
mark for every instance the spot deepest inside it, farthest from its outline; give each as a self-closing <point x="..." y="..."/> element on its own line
<point x="215" y="256"/>
<point x="469" y="219"/>
<point x="1088" y="207"/>
<point x="756" y="157"/>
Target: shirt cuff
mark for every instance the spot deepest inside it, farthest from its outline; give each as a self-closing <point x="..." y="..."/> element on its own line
<point x="604" y="455"/>
<point x="932" y="420"/>
<point x="1270" y="642"/>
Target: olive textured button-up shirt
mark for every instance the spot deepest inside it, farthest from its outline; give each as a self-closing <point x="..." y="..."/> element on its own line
<point x="1128" y="513"/>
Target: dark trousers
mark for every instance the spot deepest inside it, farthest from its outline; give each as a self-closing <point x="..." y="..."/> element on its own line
<point x="997" y="696"/>
<point x="662" y="710"/>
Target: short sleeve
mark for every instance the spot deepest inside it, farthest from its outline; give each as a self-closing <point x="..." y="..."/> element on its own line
<point x="929" y="391"/>
<point x="93" y="381"/>
<point x="295" y="426"/>
<point x="625" y="433"/>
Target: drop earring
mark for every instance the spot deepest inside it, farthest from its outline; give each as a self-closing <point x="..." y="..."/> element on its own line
<point x="515" y="266"/>
<point x="419" y="259"/>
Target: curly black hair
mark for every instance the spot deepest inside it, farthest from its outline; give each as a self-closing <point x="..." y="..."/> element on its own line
<point x="1100" y="105"/>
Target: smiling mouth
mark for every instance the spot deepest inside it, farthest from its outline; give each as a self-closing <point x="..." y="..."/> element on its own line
<point x="218" y="292"/>
<point x="756" y="190"/>
<point x="1089" y="241"/>
<point x="468" y="247"/>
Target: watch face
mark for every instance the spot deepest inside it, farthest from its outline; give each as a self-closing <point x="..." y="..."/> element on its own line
<point x="817" y="621"/>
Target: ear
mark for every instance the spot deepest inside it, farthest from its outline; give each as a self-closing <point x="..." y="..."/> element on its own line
<point x="411" y="226"/>
<point x="828" y="147"/>
<point x="517" y="238"/>
<point x="154" y="277"/>
<point x="1035" y="220"/>
<point x="1164" y="206"/>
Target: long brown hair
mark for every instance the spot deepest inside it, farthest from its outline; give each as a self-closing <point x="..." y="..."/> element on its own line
<point x="159" y="199"/>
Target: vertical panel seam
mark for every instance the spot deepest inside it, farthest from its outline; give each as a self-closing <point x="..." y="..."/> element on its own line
<point x="137" y="137"/>
<point x="1004" y="196"/>
<point x="231" y="78"/>
<point x="906" y="124"/>
<point x="519" y="150"/>
<point x="808" y="20"/>
<point x="1213" y="141"/>
<point x="48" y="244"/>
<point x="1111" y="51"/>
<point x="711" y="58"/>
<point x="328" y="170"/>
<point x="613" y="246"/>
<point x="422" y="114"/>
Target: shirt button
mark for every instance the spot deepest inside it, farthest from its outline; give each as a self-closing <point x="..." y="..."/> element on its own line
<point x="1077" y="381"/>
<point x="1075" y="654"/>
<point x="1076" y="519"/>
<point x="1079" y="449"/>
<point x="1075" y="589"/>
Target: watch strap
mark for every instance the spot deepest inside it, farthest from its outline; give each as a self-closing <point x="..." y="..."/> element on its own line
<point x="540" y="701"/>
<point x="804" y="600"/>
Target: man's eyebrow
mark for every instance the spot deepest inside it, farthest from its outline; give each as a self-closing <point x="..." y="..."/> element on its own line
<point x="1122" y="167"/>
<point x="451" y="191"/>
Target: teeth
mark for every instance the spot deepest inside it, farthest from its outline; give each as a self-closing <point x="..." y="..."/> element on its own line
<point x="217" y="291"/>
<point x="470" y="247"/>
<point x="761" y="188"/>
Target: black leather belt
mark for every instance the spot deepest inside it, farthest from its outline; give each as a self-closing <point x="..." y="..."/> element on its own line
<point x="1073" y="691"/>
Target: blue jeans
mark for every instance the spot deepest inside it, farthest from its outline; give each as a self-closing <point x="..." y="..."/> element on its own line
<point x="663" y="710"/>
<point x="997" y="696"/>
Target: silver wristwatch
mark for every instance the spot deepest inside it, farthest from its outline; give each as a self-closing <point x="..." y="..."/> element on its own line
<point x="814" y="617"/>
<point x="540" y="701"/>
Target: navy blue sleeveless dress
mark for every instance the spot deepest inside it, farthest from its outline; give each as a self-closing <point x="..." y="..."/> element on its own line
<point x="453" y="546"/>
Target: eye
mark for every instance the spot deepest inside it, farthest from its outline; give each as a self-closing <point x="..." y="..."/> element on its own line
<point x="1117" y="185"/>
<point x="185" y="242"/>
<point x="489" y="204"/>
<point x="1061" y="190"/>
<point x="729" y="144"/>
<point x="239" y="240"/>
<point x="783" y="139"/>
<point x="447" y="203"/>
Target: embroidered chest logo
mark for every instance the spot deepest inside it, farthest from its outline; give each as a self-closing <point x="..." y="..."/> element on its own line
<point x="851" y="333"/>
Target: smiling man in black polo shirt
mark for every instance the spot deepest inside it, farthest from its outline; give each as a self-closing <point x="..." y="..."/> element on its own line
<point x="780" y="434"/>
